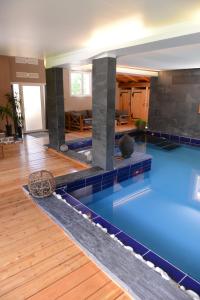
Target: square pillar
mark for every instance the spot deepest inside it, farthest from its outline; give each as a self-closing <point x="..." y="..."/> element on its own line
<point x="103" y="111"/>
<point x="55" y="107"/>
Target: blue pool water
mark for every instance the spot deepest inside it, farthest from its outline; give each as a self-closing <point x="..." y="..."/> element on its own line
<point x="161" y="208"/>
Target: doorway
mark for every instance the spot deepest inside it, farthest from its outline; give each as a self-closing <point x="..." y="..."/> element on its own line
<point x="33" y="106"/>
<point x="133" y="94"/>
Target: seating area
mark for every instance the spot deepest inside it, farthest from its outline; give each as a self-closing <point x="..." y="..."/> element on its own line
<point x="82" y="120"/>
<point x="78" y="120"/>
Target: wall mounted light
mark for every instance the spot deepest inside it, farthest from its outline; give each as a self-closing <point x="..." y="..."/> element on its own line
<point x="198" y="109"/>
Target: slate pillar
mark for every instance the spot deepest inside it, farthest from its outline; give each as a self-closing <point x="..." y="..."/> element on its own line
<point x="103" y="111"/>
<point x="55" y="107"/>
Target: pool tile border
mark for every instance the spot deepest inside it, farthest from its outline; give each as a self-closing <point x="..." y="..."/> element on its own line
<point x="98" y="183"/>
<point x="111" y="229"/>
<point x="185" y="140"/>
<point x="81" y="144"/>
<point x="181" y="278"/>
<point x="108" y="178"/>
<point x="191" y="284"/>
<point x="129" y="241"/>
<point x="170" y="269"/>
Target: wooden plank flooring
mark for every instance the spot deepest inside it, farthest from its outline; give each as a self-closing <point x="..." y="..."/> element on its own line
<point x="37" y="260"/>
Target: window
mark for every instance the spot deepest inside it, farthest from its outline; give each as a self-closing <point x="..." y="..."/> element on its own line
<point x="80" y="84"/>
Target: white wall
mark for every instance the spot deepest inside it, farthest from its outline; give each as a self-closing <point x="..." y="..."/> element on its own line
<point x="74" y="103"/>
<point x="79" y="103"/>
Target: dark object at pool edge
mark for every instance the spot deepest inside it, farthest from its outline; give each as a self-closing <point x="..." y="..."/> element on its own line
<point x="126" y="146"/>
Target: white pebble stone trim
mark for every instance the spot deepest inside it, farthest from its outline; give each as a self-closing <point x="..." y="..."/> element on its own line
<point x="150" y="264"/>
<point x="194" y="295"/>
<point x="163" y="274"/>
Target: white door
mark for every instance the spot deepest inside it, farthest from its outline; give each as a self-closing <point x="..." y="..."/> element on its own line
<point x="33" y="107"/>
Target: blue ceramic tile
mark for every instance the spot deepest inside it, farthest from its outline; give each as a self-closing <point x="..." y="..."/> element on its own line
<point x="128" y="241"/>
<point x="78" y="193"/>
<point x="195" y="142"/>
<point x="92" y="188"/>
<point x="96" y="188"/>
<point x="71" y="200"/>
<point x="148" y="132"/>
<point x="134" y="173"/>
<point x="175" y="138"/>
<point x="110" y="174"/>
<point x="111" y="228"/>
<point x="157" y="134"/>
<point x="147" y="168"/>
<point x="191" y="284"/>
<point x="123" y="171"/>
<point x="107" y="185"/>
<point x="78" y="183"/>
<point x="171" y="270"/>
<point x="117" y="136"/>
<point x="94" y="179"/>
<point x="85" y="210"/>
<point x="74" y="188"/>
<point x="108" y="179"/>
<point x="122" y="177"/>
<point x="71" y="146"/>
<point x="60" y="191"/>
<point x="165" y="135"/>
<point x="147" y="162"/>
<point x="136" y="166"/>
<point x="184" y="139"/>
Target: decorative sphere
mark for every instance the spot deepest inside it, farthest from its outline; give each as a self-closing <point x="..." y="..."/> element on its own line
<point x="126" y="146"/>
<point x="41" y="184"/>
<point x="64" y="148"/>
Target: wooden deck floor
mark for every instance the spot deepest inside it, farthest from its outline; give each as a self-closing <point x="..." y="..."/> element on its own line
<point x="72" y="135"/>
<point x="37" y="260"/>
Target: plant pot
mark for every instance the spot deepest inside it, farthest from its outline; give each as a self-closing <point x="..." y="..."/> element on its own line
<point x="141" y="127"/>
<point x="8" y="130"/>
<point x="19" y="132"/>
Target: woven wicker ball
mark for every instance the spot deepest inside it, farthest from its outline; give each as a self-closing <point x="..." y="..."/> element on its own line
<point x="41" y="184"/>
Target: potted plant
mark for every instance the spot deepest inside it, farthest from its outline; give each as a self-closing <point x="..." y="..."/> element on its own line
<point x="15" y="103"/>
<point x="7" y="114"/>
<point x="140" y="124"/>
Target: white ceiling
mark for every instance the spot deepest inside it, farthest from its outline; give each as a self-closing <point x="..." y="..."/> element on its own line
<point x="165" y="59"/>
<point x="73" y="31"/>
<point x="47" y="27"/>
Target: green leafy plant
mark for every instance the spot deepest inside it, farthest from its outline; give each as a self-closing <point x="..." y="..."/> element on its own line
<point x="12" y="111"/>
<point x="15" y="102"/>
<point x="140" y="124"/>
<point x="6" y="113"/>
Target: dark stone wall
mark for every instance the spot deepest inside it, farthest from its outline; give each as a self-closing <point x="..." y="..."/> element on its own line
<point x="103" y="111"/>
<point x="174" y="102"/>
<point x="55" y="107"/>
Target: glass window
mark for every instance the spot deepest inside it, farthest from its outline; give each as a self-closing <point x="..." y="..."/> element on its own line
<point x="80" y="84"/>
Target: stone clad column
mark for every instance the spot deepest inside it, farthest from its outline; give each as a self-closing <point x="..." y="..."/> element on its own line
<point x="103" y="111"/>
<point x="55" y="107"/>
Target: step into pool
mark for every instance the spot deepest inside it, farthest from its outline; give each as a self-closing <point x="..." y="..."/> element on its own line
<point x="160" y="208"/>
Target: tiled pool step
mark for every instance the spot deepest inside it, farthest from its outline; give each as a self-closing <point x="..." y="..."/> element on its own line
<point x="102" y="181"/>
<point x="176" y="138"/>
<point x="87" y="142"/>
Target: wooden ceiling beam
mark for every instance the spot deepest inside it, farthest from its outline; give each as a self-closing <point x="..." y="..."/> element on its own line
<point x="134" y="84"/>
<point x="122" y="78"/>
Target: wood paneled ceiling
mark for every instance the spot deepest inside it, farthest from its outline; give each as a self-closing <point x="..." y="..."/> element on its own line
<point x="129" y="78"/>
<point x="129" y="81"/>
